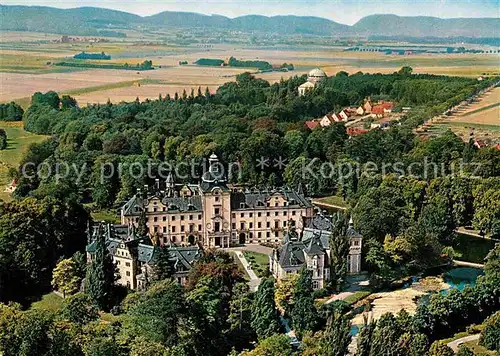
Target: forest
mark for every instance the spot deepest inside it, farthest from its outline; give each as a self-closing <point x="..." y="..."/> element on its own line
<point x="408" y="221"/>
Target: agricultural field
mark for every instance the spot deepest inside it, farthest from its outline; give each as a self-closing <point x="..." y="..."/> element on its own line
<point x="481" y="117"/>
<point x="17" y="144"/>
<point x="27" y="65"/>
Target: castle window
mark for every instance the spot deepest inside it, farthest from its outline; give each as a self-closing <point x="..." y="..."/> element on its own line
<point x="164" y="208"/>
<point x="127" y="264"/>
<point x="250" y="225"/>
<point x="217" y="211"/>
<point x="276" y="213"/>
<point x="276" y="204"/>
<point x="234" y="215"/>
<point x="259" y="214"/>
<point x="182" y="228"/>
<point x="217" y="226"/>
<point x="164" y="218"/>
<point x="182" y="217"/>
<point x="217" y="199"/>
<point x="242" y="205"/>
<point x="268" y="234"/>
<point x="199" y="227"/>
<point x="156" y="228"/>
<point x="293" y="213"/>
<point x="234" y="226"/>
<point x="128" y="274"/>
<point x="284" y="223"/>
<point x="164" y="229"/>
<point x="284" y="213"/>
<point x="259" y="234"/>
<point x="173" y="218"/>
<point x="242" y="215"/>
<point x="268" y="224"/>
<point x="315" y="285"/>
<point x="173" y="228"/>
<point x="154" y="209"/>
<point x="242" y="226"/>
<point x="259" y="224"/>
<point x="190" y="217"/>
<point x="268" y="214"/>
<point x="251" y="214"/>
<point x="155" y="219"/>
<point x="199" y="217"/>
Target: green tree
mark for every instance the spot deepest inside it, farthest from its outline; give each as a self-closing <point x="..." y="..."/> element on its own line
<point x="240" y="315"/>
<point x="440" y="349"/>
<point x="274" y="345"/>
<point x="304" y="313"/>
<point x="365" y="336"/>
<point x="333" y="341"/>
<point x="492" y="266"/>
<point x="163" y="267"/>
<point x="101" y="274"/>
<point x="464" y="351"/>
<point x="264" y="315"/>
<point x="284" y="293"/>
<point x="339" y="247"/>
<point x="3" y="139"/>
<point x="80" y="309"/>
<point x="65" y="278"/>
<point x="157" y="314"/>
<point x="490" y="335"/>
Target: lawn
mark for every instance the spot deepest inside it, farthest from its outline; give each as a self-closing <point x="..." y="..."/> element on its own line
<point x="332" y="200"/>
<point x="357" y="296"/>
<point x="478" y="349"/>
<point x="18" y="142"/>
<point x="105" y="215"/>
<point x="258" y="261"/>
<point x="50" y="302"/>
<point x="472" y="249"/>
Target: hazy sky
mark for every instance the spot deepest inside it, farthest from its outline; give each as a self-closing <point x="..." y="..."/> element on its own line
<point x="343" y="11"/>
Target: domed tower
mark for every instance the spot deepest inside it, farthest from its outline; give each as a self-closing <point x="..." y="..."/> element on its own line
<point x="316" y="75"/>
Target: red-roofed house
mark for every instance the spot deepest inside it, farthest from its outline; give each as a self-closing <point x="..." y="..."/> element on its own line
<point x="312" y="124"/>
<point x="329" y="119"/>
<point x="353" y="131"/>
<point x="378" y="110"/>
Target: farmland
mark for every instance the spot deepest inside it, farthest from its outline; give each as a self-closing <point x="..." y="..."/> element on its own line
<point x="27" y="65"/>
<point x="481" y="117"/>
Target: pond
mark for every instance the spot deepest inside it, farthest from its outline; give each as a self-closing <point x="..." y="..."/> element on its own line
<point x="462" y="276"/>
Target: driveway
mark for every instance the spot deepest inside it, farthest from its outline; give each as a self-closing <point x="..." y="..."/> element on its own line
<point x="455" y="344"/>
<point x="254" y="280"/>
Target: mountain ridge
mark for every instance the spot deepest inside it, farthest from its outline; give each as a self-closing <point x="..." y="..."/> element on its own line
<point x="95" y="20"/>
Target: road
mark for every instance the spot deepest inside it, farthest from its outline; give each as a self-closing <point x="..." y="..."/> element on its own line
<point x="456" y="343"/>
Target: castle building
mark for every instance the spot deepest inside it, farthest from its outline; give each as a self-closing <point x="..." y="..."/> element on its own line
<point x="134" y="257"/>
<point x="214" y="215"/>
<point x="313" y="78"/>
<point x="312" y="249"/>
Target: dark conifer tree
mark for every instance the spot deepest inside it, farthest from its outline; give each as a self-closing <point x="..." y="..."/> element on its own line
<point x="264" y="314"/>
<point x="101" y="274"/>
<point x="304" y="313"/>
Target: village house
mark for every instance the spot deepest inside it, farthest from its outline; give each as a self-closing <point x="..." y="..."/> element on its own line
<point x="312" y="249"/>
<point x="214" y="215"/>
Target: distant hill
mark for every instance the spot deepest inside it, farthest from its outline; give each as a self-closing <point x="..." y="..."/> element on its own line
<point x="97" y="21"/>
<point x="423" y="26"/>
<point x="88" y="21"/>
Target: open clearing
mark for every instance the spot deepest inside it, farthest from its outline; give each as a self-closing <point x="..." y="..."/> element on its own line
<point x="18" y="142"/>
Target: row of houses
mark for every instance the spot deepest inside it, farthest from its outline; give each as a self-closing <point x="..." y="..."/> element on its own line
<point x="368" y="109"/>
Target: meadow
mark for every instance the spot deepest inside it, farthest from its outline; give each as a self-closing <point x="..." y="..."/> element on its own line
<point x="17" y="144"/>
